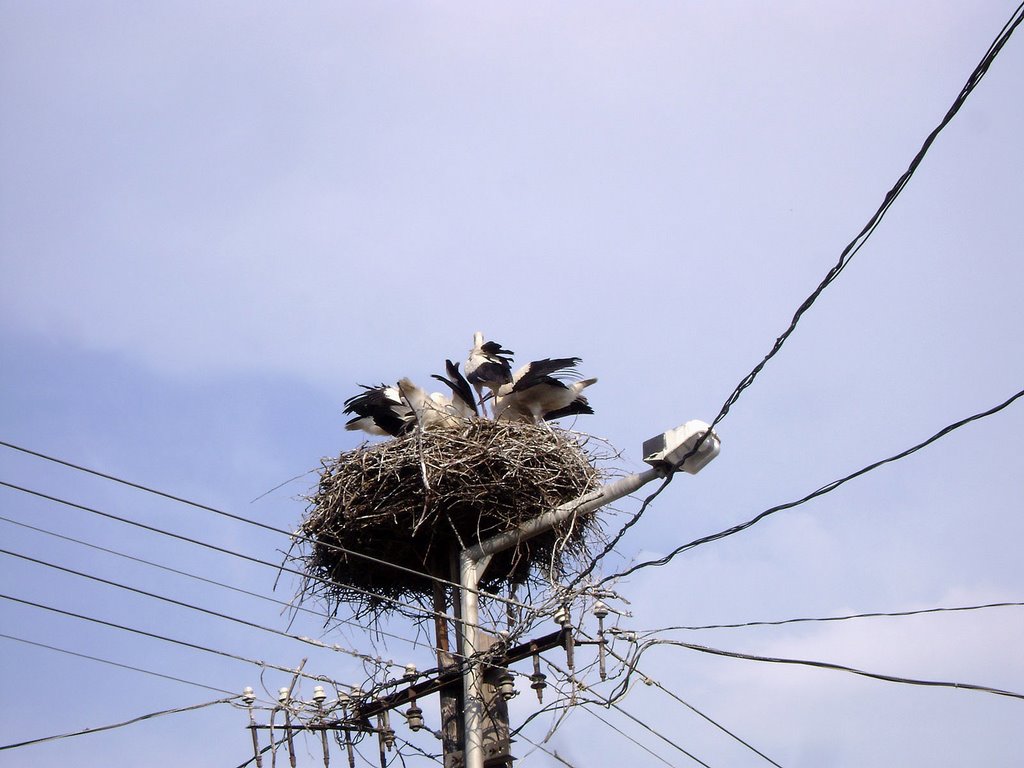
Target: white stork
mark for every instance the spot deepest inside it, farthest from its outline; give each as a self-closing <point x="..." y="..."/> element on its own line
<point x="430" y="410"/>
<point x="463" y="402"/>
<point x="379" y="411"/>
<point x="536" y="395"/>
<point x="488" y="366"/>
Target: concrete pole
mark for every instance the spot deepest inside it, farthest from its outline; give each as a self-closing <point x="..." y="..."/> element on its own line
<point x="473" y="561"/>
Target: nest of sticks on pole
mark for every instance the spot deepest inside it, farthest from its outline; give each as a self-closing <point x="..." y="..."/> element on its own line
<point x="416" y="501"/>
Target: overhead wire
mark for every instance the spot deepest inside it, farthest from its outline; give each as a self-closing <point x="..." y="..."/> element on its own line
<point x="827" y="488"/>
<point x="311" y="641"/>
<point x="622" y="733"/>
<point x="847" y="254"/>
<point x="544" y="749"/>
<point x="696" y="711"/>
<point x="101" y="728"/>
<point x="213" y="582"/>
<point x="276" y="566"/>
<point x="848" y="617"/>
<point x="364" y="657"/>
<point x="610" y="704"/>
<point x="293" y="535"/>
<point x="114" y="663"/>
<point x="651" y="681"/>
<point x="192" y="607"/>
<point x="829" y="665"/>
<point x="453" y="654"/>
<point x="169" y="569"/>
<point x="165" y="638"/>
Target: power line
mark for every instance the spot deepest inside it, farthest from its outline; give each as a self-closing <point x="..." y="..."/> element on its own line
<point x="829" y="665"/>
<point x="696" y="711"/>
<point x="293" y="535"/>
<point x="827" y="488"/>
<point x="632" y="666"/>
<point x="134" y="720"/>
<point x="205" y="580"/>
<point x="164" y="638"/>
<point x="619" y="731"/>
<point x="193" y="607"/>
<point x="278" y="567"/>
<point x="890" y="197"/>
<point x="661" y="736"/>
<point x="845" y="257"/>
<point x="835" y="618"/>
<point x="544" y="749"/>
<point x="605" y="702"/>
<point x="169" y="569"/>
<point x="115" y="663"/>
<point x="377" y="630"/>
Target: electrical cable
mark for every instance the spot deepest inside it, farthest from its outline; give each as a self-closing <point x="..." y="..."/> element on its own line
<point x="264" y="750"/>
<point x="193" y="607"/>
<point x="544" y="749"/>
<point x="213" y="582"/>
<point x="184" y="643"/>
<point x="829" y="665"/>
<point x="215" y="548"/>
<point x="115" y="664"/>
<point x="918" y="612"/>
<point x="651" y="681"/>
<point x="608" y="703"/>
<point x="111" y="727"/>
<point x="890" y="197"/>
<point x="169" y="569"/>
<point x="619" y="731"/>
<point x="827" y="488"/>
<point x="721" y="727"/>
<point x="844" y="259"/>
<point x="293" y="535"/>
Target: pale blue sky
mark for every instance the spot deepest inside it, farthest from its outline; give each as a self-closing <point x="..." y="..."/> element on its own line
<point x="217" y="219"/>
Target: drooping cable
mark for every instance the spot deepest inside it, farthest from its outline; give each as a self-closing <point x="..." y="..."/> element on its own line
<point x="848" y="617"/>
<point x="828" y="665"/>
<point x="611" y="704"/>
<point x="827" y="488"/>
<point x="621" y="732"/>
<point x="166" y="639"/>
<point x="111" y="727"/>
<point x="844" y="259"/>
<point x="276" y="566"/>
<point x="203" y="579"/>
<point x="651" y="681"/>
<point x="293" y="535"/>
<point x="115" y="663"/>
<point x="193" y="607"/>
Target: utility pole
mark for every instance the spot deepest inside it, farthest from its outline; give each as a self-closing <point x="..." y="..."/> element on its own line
<point x="450" y="695"/>
<point x="687" y="448"/>
<point x="473" y="561"/>
<point x="473" y="692"/>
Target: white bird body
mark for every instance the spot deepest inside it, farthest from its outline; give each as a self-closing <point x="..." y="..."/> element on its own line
<point x="430" y="410"/>
<point x="535" y="395"/>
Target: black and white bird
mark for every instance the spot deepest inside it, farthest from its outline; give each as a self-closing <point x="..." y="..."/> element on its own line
<point x="462" y="402"/>
<point x="537" y="394"/>
<point x="488" y="366"/>
<point x="379" y="411"/>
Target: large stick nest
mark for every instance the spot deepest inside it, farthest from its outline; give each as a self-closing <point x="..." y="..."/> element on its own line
<point x="417" y="500"/>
